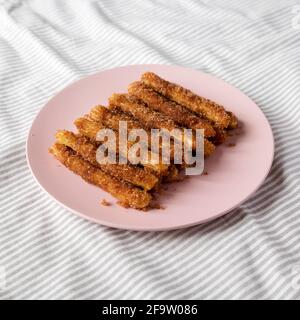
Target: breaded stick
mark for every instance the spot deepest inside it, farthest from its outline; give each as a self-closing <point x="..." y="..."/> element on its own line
<point x="207" y="108"/>
<point x="233" y="121"/>
<point x="150" y="118"/>
<point x="90" y="129"/>
<point x="127" y="194"/>
<point x="173" y="175"/>
<point x="220" y="137"/>
<point x="87" y="150"/>
<point x="209" y="148"/>
<point x="169" y="108"/>
<point x="111" y="117"/>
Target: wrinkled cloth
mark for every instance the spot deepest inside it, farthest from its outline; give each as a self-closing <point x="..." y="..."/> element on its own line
<point x="46" y="252"/>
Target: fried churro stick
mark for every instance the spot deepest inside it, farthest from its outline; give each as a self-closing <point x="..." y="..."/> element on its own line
<point x="169" y="108"/>
<point x="207" y="108"/>
<point x="233" y="121"/>
<point x="173" y="175"/>
<point x="87" y="150"/>
<point x="90" y="129"/>
<point x="127" y="194"/>
<point x="112" y="117"/>
<point x="209" y="148"/>
<point x="150" y="118"/>
<point x="220" y="137"/>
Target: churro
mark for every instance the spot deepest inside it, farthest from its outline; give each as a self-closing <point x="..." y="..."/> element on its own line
<point x="150" y="118"/>
<point x="127" y="194"/>
<point x="169" y="108"/>
<point x="233" y="120"/>
<point x="140" y="168"/>
<point x="87" y="150"/>
<point x="220" y="137"/>
<point x="173" y="175"/>
<point x="91" y="128"/>
<point x="88" y="127"/>
<point x="202" y="106"/>
<point x="112" y="117"/>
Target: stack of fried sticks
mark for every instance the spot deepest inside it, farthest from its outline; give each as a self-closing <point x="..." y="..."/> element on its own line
<point x="150" y="103"/>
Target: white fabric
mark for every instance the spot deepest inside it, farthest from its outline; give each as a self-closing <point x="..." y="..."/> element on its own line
<point x="46" y="252"/>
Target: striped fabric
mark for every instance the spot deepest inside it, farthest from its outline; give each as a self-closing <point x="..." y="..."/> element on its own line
<point x="46" y="252"/>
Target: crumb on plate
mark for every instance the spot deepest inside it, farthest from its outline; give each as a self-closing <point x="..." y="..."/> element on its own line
<point x="105" y="203"/>
<point x="230" y="145"/>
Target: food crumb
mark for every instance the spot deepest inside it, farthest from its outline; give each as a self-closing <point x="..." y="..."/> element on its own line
<point x="230" y="145"/>
<point x="105" y="203"/>
<point x="156" y="205"/>
<point x="205" y="173"/>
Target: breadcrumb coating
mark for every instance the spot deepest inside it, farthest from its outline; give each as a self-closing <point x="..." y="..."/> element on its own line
<point x="150" y="118"/>
<point x="86" y="149"/>
<point x="127" y="194"/>
<point x="169" y="108"/>
<point x="202" y="106"/>
<point x="233" y="120"/>
<point x="220" y="137"/>
<point x="90" y="129"/>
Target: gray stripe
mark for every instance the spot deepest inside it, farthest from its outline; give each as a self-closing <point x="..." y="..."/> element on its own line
<point x="49" y="252"/>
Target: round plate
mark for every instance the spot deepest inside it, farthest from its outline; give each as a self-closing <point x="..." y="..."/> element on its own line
<point x="234" y="173"/>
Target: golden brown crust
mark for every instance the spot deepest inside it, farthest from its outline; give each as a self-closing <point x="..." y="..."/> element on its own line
<point x="233" y="120"/>
<point x="204" y="107"/>
<point x="173" y="175"/>
<point x="127" y="194"/>
<point x="86" y="149"/>
<point x="127" y="112"/>
<point x="169" y="108"/>
<point x="149" y="118"/>
<point x="209" y="148"/>
<point x="220" y="137"/>
<point x="90" y="129"/>
<point x="111" y="118"/>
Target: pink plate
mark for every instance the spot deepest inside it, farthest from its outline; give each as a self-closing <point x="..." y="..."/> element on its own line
<point x="234" y="174"/>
